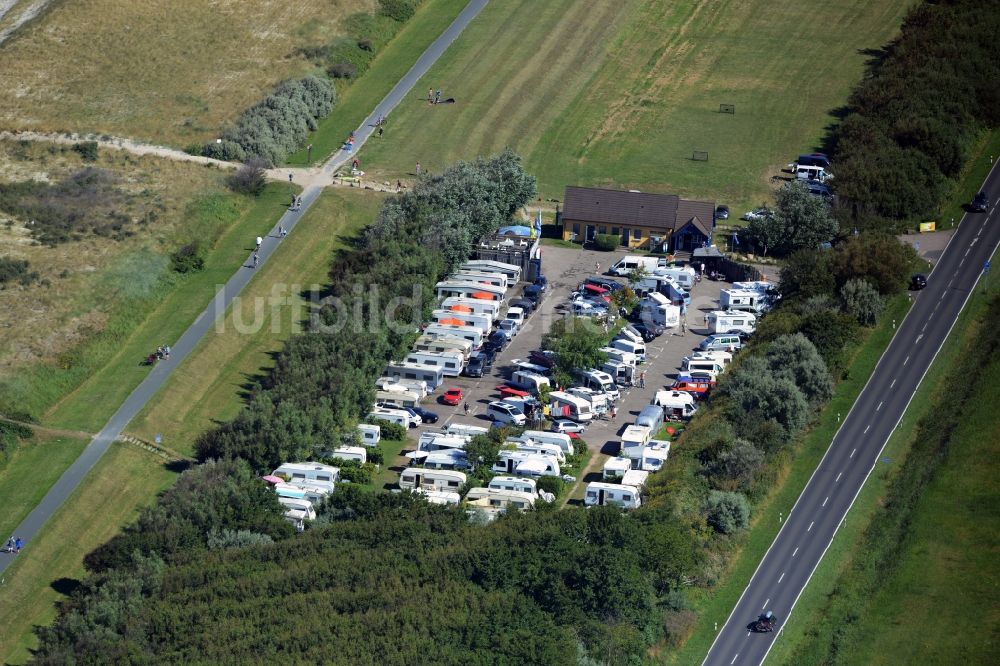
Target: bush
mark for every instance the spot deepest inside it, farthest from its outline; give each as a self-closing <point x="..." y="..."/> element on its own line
<point x="398" y="10"/>
<point x="735" y="466"/>
<point x="727" y="512"/>
<point x="250" y="178"/>
<point x="392" y="431"/>
<point x="862" y="301"/>
<point x="606" y="242"/>
<point x="87" y="150"/>
<point x="552" y="484"/>
<point x="342" y="70"/>
<point x="16" y="269"/>
<point x="353" y="471"/>
<point x="880" y="259"/>
<point x="187" y="258"/>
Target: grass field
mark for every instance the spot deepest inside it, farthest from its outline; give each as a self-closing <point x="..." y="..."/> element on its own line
<point x="620" y="92"/>
<point x="210" y="385"/>
<point x="167" y="72"/>
<point x="126" y="479"/>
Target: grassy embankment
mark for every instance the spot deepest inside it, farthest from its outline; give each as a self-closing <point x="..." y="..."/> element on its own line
<point x="620" y="94"/>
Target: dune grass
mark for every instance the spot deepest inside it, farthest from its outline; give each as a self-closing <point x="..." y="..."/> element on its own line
<point x="620" y="93"/>
<point x="212" y="383"/>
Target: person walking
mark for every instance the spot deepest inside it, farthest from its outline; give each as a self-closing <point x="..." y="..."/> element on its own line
<point x="437" y="96"/>
<point x="10" y="545"/>
<point x="642" y="379"/>
<point x="684" y="326"/>
<point x="256" y="259"/>
<point x="281" y="231"/>
<point x="597" y="267"/>
<point x="430" y="95"/>
<point x="466" y="407"/>
<point x="355" y="164"/>
<point x="418" y="168"/>
<point x="380" y="131"/>
<point x="289" y="178"/>
<point x="18" y="545"/>
<point x="259" y="241"/>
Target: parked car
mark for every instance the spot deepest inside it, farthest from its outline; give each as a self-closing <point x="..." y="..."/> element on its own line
<point x="567" y="426"/>
<point x="497" y="342"/>
<point x="918" y="281"/>
<point x="426" y="416"/>
<point x="477" y="365"/>
<point x="543" y="357"/>
<point x="649" y="332"/>
<point x="599" y="281"/>
<point x="980" y="203"/>
<point x="743" y="335"/>
<point x="509" y="327"/>
<point x="722" y="213"/>
<point x="534" y="293"/>
<point x="525" y="304"/>
<point x="452" y="396"/>
<point x="758" y="214"/>
<point x="542" y="282"/>
<point x="818" y="189"/>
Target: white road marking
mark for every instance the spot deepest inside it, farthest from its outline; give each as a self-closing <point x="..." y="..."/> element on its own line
<point x="961" y="262"/>
<point x="810" y="526"/>
<point x="967" y="252"/>
<point x="826" y="500"/>
<point x="893" y="383"/>
<point x="917" y="341"/>
<point x="882" y="402"/>
<point x="924" y="328"/>
<point x="866" y="429"/>
<point x="950" y="281"/>
<point x="852" y="453"/>
<point x="906" y="360"/>
<point x="765" y="604"/>
<point x="782" y="577"/>
<point x="737" y="654"/>
<point x="839" y="474"/>
<point x="795" y="552"/>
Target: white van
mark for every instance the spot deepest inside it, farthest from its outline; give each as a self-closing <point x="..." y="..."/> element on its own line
<point x="812" y="172"/>
<point x="529" y="381"/>
<point x="725" y="322"/>
<point x="621" y="373"/>
<point x="566" y="406"/>
<point x="721" y="342"/>
<point x="637" y="349"/>
<point x="612" y="494"/>
<point x="505" y="413"/>
<point x="701" y="367"/>
<point x="676" y="404"/>
<point x="631" y="262"/>
<point x="683" y="276"/>
<point x="517" y="314"/>
<point x="413" y="478"/>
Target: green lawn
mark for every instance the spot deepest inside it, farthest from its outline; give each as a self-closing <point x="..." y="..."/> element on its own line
<point x="125" y="479"/>
<point x="210" y="385"/>
<point x="90" y="405"/>
<point x="621" y="93"/>
<point x="34" y="466"/>
<point x="357" y="100"/>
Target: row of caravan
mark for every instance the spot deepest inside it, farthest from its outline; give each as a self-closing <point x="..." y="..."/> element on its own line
<point x="301" y="486"/>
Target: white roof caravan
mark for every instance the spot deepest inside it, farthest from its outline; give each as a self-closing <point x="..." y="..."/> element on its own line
<point x="371" y="435"/>
<point x="649" y="458"/>
<point x="451" y="362"/>
<point x="720" y="355"/>
<point x="746" y="301"/>
<point x="474" y="335"/>
<point x="483" y="322"/>
<point x="636" y="435"/>
<point x="476" y="305"/>
<point x="466" y="289"/>
<point x="430" y="442"/>
<point x="682" y="275"/>
<point x="314" y="494"/>
<point x="512" y="271"/>
<point x="612" y="494"/>
<point x="615" y="468"/>
<point x="466" y="429"/>
<point x="657" y="309"/>
<point x="355" y="453"/>
<point x="599" y="401"/>
<point x="443" y="343"/>
<point x="519" y="483"/>
<point x="531" y="446"/>
<point x="529" y="381"/>
<point x="621" y="373"/>
<point x="397" y="416"/>
<point x="389" y="384"/>
<point x="568" y="406"/>
<point x="308" y="471"/>
<point x="560" y="439"/>
<point x="398" y="399"/>
<point x="724" y="322"/>
<point x="620" y="356"/>
<point x="526" y="464"/>
<point x="637" y="349"/>
<point x="500" y="499"/>
<point x="430" y="374"/>
<point x="482" y="277"/>
<point x="441" y="497"/>
<point x="676" y="404"/>
<point x="447" y="459"/>
<point x="414" y="478"/>
<point x="297" y="510"/>
<point x="636" y="478"/>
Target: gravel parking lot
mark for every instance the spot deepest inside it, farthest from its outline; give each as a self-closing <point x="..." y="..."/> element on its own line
<point x="565" y="268"/>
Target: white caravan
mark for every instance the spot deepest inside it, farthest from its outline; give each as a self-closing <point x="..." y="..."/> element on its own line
<point x="530" y="381"/>
<point x="443" y="344"/>
<point x="518" y="483"/>
<point x="371" y="435"/>
<point x="560" y="439"/>
<point x="566" y="406"/>
<point x="465" y="429"/>
<point x="389" y="384"/>
<point x="744" y="301"/>
<point x="476" y="305"/>
<point x="451" y="362"/>
<point x="474" y="335"/>
<point x="656" y="309"/>
<point x="677" y="405"/>
<point x="649" y="458"/>
<point x="465" y="289"/>
<point x="599" y="401"/>
<point x="447" y="459"/>
<point x="615" y="469"/>
<point x="637" y="349"/>
<point x="308" y="471"/>
<point x="453" y="318"/>
<point x="398" y="399"/>
<point x="500" y="499"/>
<point x="416" y="478"/>
<point x="431" y="442"/>
<point x="684" y="276"/>
<point x="522" y="463"/>
<point x="432" y="376"/>
<point x="512" y="271"/>
<point x="312" y="494"/>
<point x="482" y="277"/>
<point x="726" y="322"/>
<point x="355" y="453"/>
<point x="695" y="366"/>
<point x="620" y="356"/>
<point x="531" y="446"/>
<point x="441" y="497"/>
<point x="636" y="435"/>
<point x="612" y="494"/>
<point x="397" y="416"/>
<point x="636" y="478"/>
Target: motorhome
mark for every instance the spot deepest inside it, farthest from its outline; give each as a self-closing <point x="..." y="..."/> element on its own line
<point x="518" y="483"/>
<point x="677" y="405"/>
<point x="684" y="276"/>
<point x="512" y="271"/>
<point x="476" y="305"/>
<point x="521" y="364"/>
<point x="445" y="317"/>
<point x="649" y="458"/>
<point x="744" y="301"/>
<point x="812" y="172"/>
<point x="657" y="310"/>
<point x="621" y="373"/>
<point x="651" y="417"/>
<point x="396" y="399"/>
<point x="615" y="469"/>
<point x="567" y="406"/>
<point x="530" y="381"/>
<point x="531" y="446"/>
<point x="442" y="344"/>
<point x="397" y="416"/>
<point x="612" y="494"/>
<point x="727" y="322"/>
<point x="430" y="442"/>
<point x="451" y="362"/>
<point x="355" y="453"/>
<point x="455" y="459"/>
<point x="620" y="356"/>
<point x="500" y="499"/>
<point x="386" y="383"/>
<point x="636" y="435"/>
<point x="523" y="463"/>
<point x="482" y="277"/>
<point x="560" y="439"/>
<point x="505" y="413"/>
<point x="599" y="381"/>
<point x="431" y="375"/>
<point x="720" y="355"/>
<point x="371" y="435"/>
<point x="721" y="341"/>
<point x="698" y="366"/>
<point x="633" y="262"/>
<point x="308" y="471"/>
<point x="465" y="289"/>
<point x="413" y="478"/>
<point x="599" y="401"/>
<point x="637" y="349"/>
<point x="465" y="429"/>
<point x="471" y="333"/>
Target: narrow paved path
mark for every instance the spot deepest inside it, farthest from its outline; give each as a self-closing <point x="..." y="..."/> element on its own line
<point x="72" y="477"/>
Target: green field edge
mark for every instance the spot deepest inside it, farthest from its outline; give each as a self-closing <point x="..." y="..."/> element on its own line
<point x="358" y="99"/>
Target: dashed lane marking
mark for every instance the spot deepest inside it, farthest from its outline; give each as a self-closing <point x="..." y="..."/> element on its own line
<point x="839" y="474"/>
<point x="782" y="577"/>
<point x="882" y="402"/>
<point x="852" y="453"/>
<point x="795" y="552"/>
<point x="866" y="429"/>
<point x="809" y="529"/>
<point x="826" y="500"/>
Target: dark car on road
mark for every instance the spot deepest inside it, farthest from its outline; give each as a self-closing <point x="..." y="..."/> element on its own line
<point x="497" y="342"/>
<point x="649" y="332"/>
<point x="918" y="281"/>
<point x="478" y="364"/>
<point x="525" y="304"/>
<point x="722" y="213"/>
<point x="542" y="282"/>
<point x="544" y="358"/>
<point x="534" y="292"/>
<point x="980" y="203"/>
<point x="425" y="415"/>
<point x="598" y="281"/>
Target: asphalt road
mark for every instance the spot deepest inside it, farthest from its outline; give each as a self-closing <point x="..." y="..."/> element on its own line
<point x="72" y="477"/>
<point x="821" y="508"/>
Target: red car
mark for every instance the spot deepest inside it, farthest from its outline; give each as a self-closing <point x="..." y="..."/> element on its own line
<point x="511" y="392"/>
<point x="452" y="397"/>
<point x="698" y="389"/>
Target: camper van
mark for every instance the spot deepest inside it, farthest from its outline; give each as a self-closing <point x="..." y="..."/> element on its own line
<point x="636" y="435"/>
<point x="308" y="471"/>
<point x="560" y="439"/>
<point x="433" y="376"/>
<point x="413" y="478"/>
<point x="621" y="373"/>
<point x="523" y="463"/>
<point x="397" y="416"/>
<point x="474" y="305"/>
<point x="677" y="405"/>
<point x="465" y="289"/>
<point x="529" y="381"/>
<point x="812" y="172"/>
<point x="612" y="494"/>
<point x="615" y="469"/>
<point x="516" y="483"/>
<point x="483" y="322"/>
<point x="465" y="429"/>
<point x="657" y="310"/>
<point x="355" y="453"/>
<point x="631" y="262"/>
<point x="651" y="417"/>
<point x="450" y="362"/>
<point x="567" y="406"/>
<point x="599" y="401"/>
<point x="720" y="355"/>
<point x="726" y="322"/>
<point x="721" y="341"/>
<point x="500" y="499"/>
<point x="649" y="458"/>
<point x="443" y="344"/>
<point x="371" y="435"/>
<point x="599" y="381"/>
<point x="620" y="356"/>
<point x="743" y="301"/>
<point x="637" y="349"/>
<point x="505" y="413"/>
<point x="684" y="276"/>
<point x="512" y="271"/>
<point x="482" y="277"/>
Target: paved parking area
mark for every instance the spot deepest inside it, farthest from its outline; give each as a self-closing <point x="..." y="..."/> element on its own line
<point x="565" y="269"/>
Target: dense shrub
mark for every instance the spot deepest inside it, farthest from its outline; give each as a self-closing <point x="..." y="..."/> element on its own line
<point x="388" y="430"/>
<point x="727" y="512"/>
<point x="881" y="260"/>
<point x="188" y="258"/>
<point x="399" y="10"/>
<point x="862" y="301"/>
<point x="552" y="484"/>
<point x="606" y="242"/>
<point x="250" y="178"/>
<point x="87" y="150"/>
<point x="12" y="270"/>
<point x="801" y="221"/>
<point x="342" y="70"/>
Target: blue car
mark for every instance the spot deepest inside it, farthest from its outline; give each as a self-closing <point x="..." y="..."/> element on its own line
<point x="425" y="415"/>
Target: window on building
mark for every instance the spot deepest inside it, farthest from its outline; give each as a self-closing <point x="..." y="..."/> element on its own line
<point x="576" y="229"/>
<point x="602" y="230"/>
<point x="637" y="234"/>
<point x="614" y="231"/>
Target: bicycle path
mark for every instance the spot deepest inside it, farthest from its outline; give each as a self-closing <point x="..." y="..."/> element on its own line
<point x="102" y="441"/>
